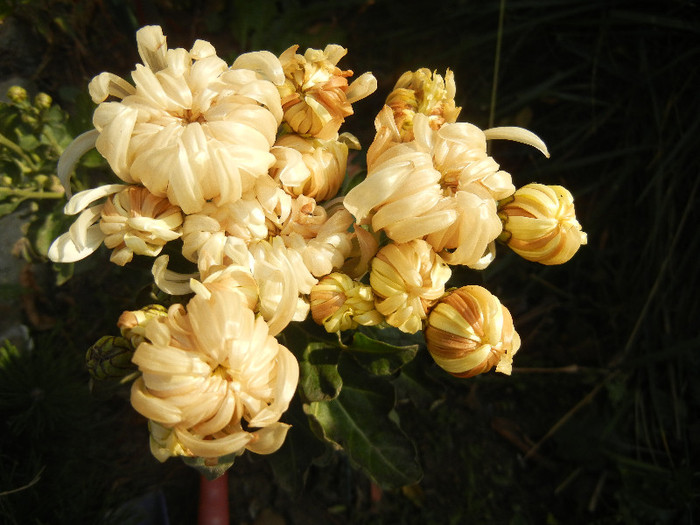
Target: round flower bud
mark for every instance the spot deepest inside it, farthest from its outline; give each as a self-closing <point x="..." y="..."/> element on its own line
<point x="43" y="101"/>
<point x="17" y="94"/>
<point x="469" y="332"/>
<point x="407" y="279"/>
<point x="341" y="303"/>
<point x="109" y="357"/>
<point x="540" y="224"/>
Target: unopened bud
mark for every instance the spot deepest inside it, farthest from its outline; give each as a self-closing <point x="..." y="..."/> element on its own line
<point x="341" y="303"/>
<point x="110" y="357"/>
<point x="17" y="94"/>
<point x="540" y="225"/>
<point x="469" y="332"/>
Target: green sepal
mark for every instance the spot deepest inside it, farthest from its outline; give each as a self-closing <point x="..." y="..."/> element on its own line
<point x="211" y="468"/>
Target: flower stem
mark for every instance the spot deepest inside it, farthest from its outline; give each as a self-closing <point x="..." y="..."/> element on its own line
<point x="213" y="501"/>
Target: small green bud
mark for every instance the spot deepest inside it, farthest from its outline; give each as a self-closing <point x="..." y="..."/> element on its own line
<point x="17" y="94"/>
<point x="109" y="357"/>
<point x="43" y="101"/>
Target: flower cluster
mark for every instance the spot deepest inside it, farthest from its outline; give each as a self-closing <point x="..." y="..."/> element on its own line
<point x="237" y="170"/>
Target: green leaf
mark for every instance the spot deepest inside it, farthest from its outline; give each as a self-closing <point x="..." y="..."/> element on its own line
<point x="378" y="357"/>
<point x="318" y="372"/>
<point x="362" y="422"/>
<point x="300" y="449"/>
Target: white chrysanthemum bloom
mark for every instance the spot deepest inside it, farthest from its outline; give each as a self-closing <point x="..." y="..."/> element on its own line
<point x="214" y="376"/>
<point x="316" y="96"/>
<point x="136" y="221"/>
<point x="407" y="279"/>
<point x="469" y="240"/>
<point x="340" y="303"/>
<point x="459" y="154"/>
<point x="327" y="245"/>
<point x="131" y="221"/>
<point x="190" y="128"/>
<point x="311" y="167"/>
<point x="400" y="195"/>
<point x="426" y="93"/>
<point x="283" y="282"/>
<point x="469" y="332"/>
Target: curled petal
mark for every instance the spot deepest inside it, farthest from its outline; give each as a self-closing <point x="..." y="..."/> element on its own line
<point x="83" y="199"/>
<point x="152" y="47"/>
<point x="108" y="84"/>
<point x="170" y="282"/>
<point x="268" y="439"/>
<point x="64" y="249"/>
<point x="361" y="87"/>
<point x="262" y="62"/>
<point x="518" y="135"/>
<point x="76" y="149"/>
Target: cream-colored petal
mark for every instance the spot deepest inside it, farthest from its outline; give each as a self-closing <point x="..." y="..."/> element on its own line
<point x="64" y="249"/>
<point x="152" y="47"/>
<point x="518" y="135"/>
<point x="268" y="439"/>
<point x="83" y="199"/>
<point x="70" y="156"/>
<point x="264" y="63"/>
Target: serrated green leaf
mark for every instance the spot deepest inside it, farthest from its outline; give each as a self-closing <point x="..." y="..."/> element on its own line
<point x="362" y="422"/>
<point x="378" y="357"/>
<point x="318" y="372"/>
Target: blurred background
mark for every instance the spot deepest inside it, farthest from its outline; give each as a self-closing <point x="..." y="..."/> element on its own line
<point x="599" y="421"/>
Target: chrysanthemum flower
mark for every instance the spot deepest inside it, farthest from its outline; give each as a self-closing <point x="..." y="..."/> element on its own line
<point x="131" y="221"/>
<point x="407" y="279"/>
<point x="340" y="303"/>
<point x="540" y="224"/>
<point x="400" y="195"/>
<point x="318" y="168"/>
<point x="214" y="377"/>
<point x="469" y="332"/>
<point x="316" y="96"/>
<point x="190" y="128"/>
<point x="136" y="221"/>
<point x="422" y="92"/>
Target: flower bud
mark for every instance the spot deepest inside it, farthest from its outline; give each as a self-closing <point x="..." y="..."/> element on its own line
<point x="17" y="94"/>
<point x="132" y="324"/>
<point x="407" y="279"/>
<point x="469" y="332"/>
<point x="321" y="170"/>
<point x="316" y="96"/>
<point x="540" y="224"/>
<point x="109" y="357"/>
<point x="341" y="303"/>
<point x="422" y="92"/>
<point x="42" y="101"/>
